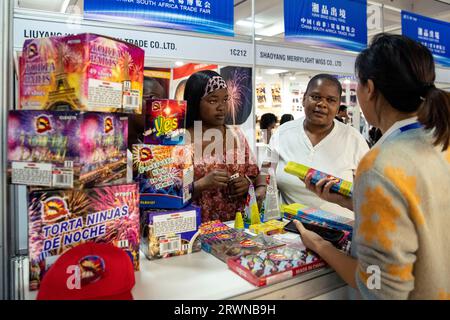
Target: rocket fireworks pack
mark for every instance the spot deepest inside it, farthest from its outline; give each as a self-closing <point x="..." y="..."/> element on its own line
<point x="170" y="233"/>
<point x="165" y="175"/>
<point x="62" y="219"/>
<point x="84" y="72"/>
<point x="165" y="122"/>
<point x="66" y="149"/>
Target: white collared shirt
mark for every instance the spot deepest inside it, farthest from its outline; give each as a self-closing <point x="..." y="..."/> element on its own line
<point x="337" y="154"/>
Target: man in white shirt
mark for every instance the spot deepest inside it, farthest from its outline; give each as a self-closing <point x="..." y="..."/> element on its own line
<point x="317" y="141"/>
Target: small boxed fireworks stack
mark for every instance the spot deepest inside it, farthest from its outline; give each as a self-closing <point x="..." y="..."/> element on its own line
<point x="274" y="265"/>
<point x="67" y="149"/>
<point x="224" y="242"/>
<point x="165" y="175"/>
<point x="301" y="212"/>
<point x="165" y="122"/>
<point x="62" y="219"/>
<point x="84" y="72"/>
<point x="170" y="233"/>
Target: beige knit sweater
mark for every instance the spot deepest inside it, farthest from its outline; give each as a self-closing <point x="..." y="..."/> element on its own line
<point x="402" y="219"/>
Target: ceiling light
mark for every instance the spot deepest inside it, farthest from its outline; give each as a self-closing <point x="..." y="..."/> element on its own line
<point x="347" y="81"/>
<point x="249" y="24"/>
<point x="179" y="63"/>
<point x="258" y="78"/>
<point x="275" y="71"/>
<point x="258" y="38"/>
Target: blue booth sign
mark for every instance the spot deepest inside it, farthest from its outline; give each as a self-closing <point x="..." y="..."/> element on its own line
<point x="206" y="16"/>
<point x="340" y="24"/>
<point x="432" y="33"/>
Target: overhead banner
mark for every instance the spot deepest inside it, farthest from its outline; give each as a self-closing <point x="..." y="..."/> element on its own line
<point x="432" y="33"/>
<point x="156" y="45"/>
<point x="340" y="24"/>
<point x="206" y="16"/>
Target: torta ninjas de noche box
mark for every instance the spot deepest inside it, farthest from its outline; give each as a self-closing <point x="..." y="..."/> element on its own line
<point x="62" y="219"/>
<point x="85" y="72"/>
<point x="67" y="149"/>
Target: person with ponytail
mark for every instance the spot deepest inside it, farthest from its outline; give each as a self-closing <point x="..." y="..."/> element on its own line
<point x="401" y="239"/>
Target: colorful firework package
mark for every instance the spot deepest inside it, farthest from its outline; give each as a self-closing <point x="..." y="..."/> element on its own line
<point x="165" y="122"/>
<point x="62" y="219"/>
<point x="67" y="149"/>
<point x="165" y="175"/>
<point x="331" y="220"/>
<point x="274" y="265"/>
<point x="225" y="245"/>
<point x="170" y="233"/>
<point x="85" y="72"/>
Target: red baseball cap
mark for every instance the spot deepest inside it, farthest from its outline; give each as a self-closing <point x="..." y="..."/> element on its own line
<point x="90" y="271"/>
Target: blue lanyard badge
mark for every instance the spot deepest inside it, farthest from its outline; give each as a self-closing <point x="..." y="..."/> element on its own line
<point x="412" y="126"/>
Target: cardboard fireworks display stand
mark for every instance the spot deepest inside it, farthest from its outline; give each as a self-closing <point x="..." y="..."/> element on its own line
<point x="68" y="144"/>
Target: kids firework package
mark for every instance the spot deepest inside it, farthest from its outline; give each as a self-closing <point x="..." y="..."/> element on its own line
<point x="165" y="175"/>
<point x="274" y="265"/>
<point x="301" y="212"/>
<point x="67" y="149"/>
<point x="270" y="209"/>
<point x="84" y="72"/>
<point x="62" y="219"/>
<point x="165" y="122"/>
<point x="170" y="233"/>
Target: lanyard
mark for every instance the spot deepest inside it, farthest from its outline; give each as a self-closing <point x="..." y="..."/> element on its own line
<point x="408" y="127"/>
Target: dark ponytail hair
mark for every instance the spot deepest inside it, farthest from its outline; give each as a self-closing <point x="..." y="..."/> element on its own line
<point x="193" y="93"/>
<point x="404" y="72"/>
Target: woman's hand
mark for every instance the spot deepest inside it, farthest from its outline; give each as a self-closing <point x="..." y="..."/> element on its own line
<point x="239" y="187"/>
<point x="310" y="239"/>
<point x="217" y="178"/>
<point x="323" y="190"/>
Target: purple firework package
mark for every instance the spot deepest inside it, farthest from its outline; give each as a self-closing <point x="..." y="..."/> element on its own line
<point x="66" y="149"/>
<point x="168" y="233"/>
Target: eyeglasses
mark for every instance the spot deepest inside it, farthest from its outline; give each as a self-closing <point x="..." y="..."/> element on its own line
<point x="318" y="98"/>
<point x="213" y="102"/>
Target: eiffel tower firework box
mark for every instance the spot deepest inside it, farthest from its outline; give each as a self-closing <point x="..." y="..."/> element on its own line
<point x="67" y="149"/>
<point x="84" y="72"/>
<point x="62" y="219"/>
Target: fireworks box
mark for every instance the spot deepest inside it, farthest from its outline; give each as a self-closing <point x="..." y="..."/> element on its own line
<point x="170" y="233"/>
<point x="274" y="265"/>
<point x="307" y="214"/>
<point x="84" y="72"/>
<point x="230" y="243"/>
<point x="62" y="219"/>
<point x="165" y="122"/>
<point x="67" y="149"/>
<point x="165" y="175"/>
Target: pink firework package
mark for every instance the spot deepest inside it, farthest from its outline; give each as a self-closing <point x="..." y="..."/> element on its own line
<point x="62" y="219"/>
<point x="84" y="72"/>
<point x="67" y="149"/>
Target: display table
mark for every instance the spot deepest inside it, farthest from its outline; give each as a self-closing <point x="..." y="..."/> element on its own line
<point x="201" y="276"/>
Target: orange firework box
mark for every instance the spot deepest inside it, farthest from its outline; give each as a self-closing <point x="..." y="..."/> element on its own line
<point x="84" y="72"/>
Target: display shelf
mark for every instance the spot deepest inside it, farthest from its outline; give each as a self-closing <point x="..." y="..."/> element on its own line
<point x="201" y="276"/>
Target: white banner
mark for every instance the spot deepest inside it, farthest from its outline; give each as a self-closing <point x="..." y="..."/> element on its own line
<point x="156" y="45"/>
<point x="290" y="58"/>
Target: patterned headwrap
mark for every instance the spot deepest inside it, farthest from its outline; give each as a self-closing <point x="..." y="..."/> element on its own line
<point x="215" y="83"/>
